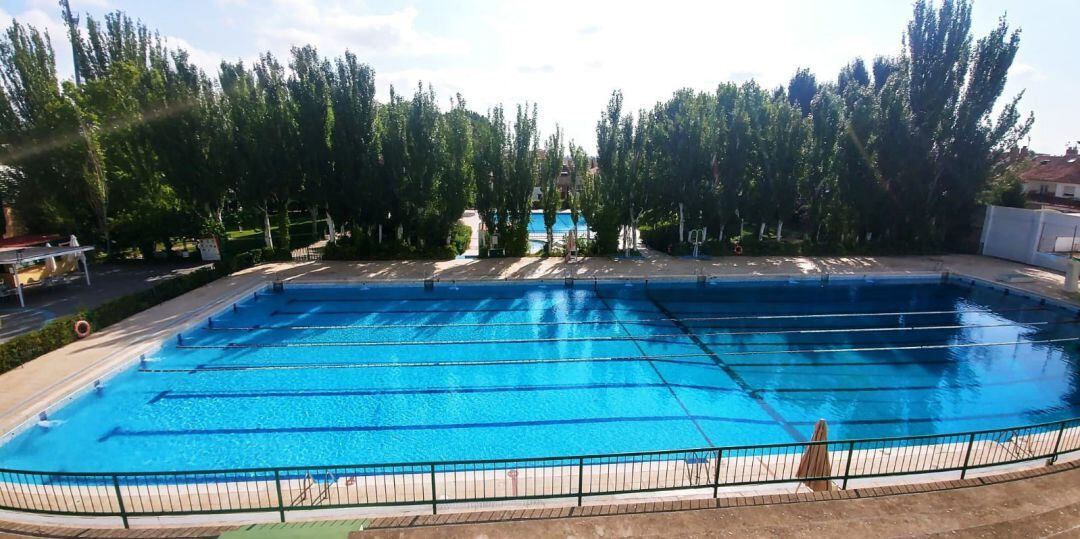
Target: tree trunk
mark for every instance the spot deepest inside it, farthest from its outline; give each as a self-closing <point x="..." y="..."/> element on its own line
<point x="380" y="233"/>
<point x="779" y="230"/>
<point x="721" y="238"/>
<point x="761" y="231"/>
<point x="330" y="229"/>
<point x="314" y="211"/>
<point x="284" y="234"/>
<point x="268" y="240"/>
<point x="682" y="222"/>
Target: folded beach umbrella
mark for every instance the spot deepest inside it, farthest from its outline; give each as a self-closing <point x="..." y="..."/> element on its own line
<point x="815" y="460"/>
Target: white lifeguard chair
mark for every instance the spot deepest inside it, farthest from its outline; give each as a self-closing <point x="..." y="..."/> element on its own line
<point x="697" y="237"/>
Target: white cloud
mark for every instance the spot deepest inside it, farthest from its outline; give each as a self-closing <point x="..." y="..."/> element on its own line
<point x="1021" y="71"/>
<point x="336" y="26"/>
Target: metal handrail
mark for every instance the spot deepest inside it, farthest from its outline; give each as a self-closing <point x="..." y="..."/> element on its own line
<point x="214" y="491"/>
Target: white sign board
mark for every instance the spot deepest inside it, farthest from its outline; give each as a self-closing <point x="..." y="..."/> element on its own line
<point x="209" y="249"/>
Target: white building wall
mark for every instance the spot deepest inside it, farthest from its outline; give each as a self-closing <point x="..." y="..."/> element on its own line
<point x="1041" y="238"/>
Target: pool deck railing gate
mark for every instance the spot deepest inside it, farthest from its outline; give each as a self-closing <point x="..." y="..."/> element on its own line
<point x="703" y="472"/>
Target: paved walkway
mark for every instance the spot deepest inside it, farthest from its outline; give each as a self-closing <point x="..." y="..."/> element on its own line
<point x="1040" y="506"/>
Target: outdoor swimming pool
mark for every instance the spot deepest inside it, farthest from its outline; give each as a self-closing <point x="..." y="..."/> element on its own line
<point x="322" y="375"/>
<point x="563" y="224"/>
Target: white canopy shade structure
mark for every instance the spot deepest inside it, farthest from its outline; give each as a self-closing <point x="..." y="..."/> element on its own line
<point x="17" y="262"/>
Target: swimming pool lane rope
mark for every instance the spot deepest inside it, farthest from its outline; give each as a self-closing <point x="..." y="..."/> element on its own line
<point x="671" y="358"/>
<point x="616" y="338"/>
<point x="584" y="322"/>
<point x="660" y="358"/>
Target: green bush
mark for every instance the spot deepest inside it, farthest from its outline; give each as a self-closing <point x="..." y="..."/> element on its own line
<point x="360" y="246"/>
<point x="461" y="235"/>
<point x="61" y="331"/>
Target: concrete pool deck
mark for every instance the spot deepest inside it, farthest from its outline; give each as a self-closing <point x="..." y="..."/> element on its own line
<point x="34" y="386"/>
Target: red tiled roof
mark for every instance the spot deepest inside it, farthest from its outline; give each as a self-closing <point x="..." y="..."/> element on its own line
<point x="1054" y="168"/>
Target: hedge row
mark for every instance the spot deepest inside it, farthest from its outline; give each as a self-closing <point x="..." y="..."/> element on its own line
<point x="60" y="331"/>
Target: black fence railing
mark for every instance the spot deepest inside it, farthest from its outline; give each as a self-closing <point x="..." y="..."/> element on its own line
<point x="698" y="471"/>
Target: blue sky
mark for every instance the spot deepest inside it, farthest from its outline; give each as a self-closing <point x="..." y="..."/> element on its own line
<point x="569" y="55"/>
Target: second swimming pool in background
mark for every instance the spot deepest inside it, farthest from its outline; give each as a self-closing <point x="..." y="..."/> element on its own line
<point x="324" y="375"/>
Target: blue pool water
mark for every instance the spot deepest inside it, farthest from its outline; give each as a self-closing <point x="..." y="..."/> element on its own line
<point x="351" y="375"/>
<point x="563" y="224"/>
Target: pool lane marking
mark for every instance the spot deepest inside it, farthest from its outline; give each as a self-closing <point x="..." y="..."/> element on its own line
<point x="892" y="348"/>
<point x="664" y="358"/>
<point x="761" y="331"/>
<point x="278" y="312"/>
<point x="119" y="431"/>
<point x="692" y="337"/>
<point x="180" y="395"/>
<point x="658" y="358"/>
<point x="869" y="389"/>
<point x="732" y="373"/>
<point x="656" y="337"/>
<point x="175" y="395"/>
<point x="684" y="319"/>
<point x="659" y="375"/>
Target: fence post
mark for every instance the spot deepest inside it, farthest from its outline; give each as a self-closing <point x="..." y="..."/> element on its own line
<point x="847" y="467"/>
<point x="1057" y="443"/>
<point x="580" y="479"/>
<point x="434" y="510"/>
<point x="716" y="474"/>
<point x="967" y="456"/>
<point x="280" y="500"/>
<point x="120" y="500"/>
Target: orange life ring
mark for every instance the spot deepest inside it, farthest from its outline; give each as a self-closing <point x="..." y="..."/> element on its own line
<point x="737" y="249"/>
<point x="82" y="329"/>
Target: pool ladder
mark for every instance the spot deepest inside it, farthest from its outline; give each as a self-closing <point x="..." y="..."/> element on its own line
<point x="309" y="487"/>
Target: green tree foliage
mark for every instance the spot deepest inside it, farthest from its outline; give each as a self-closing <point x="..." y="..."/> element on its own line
<point x="490" y="167"/>
<point x="802" y="89"/>
<point x="148" y="149"/>
<point x="310" y="90"/>
<point x="43" y="141"/>
<point x="621" y="186"/>
<point x="458" y="180"/>
<point x="521" y="177"/>
<point x="579" y="169"/>
<point x="353" y="190"/>
<point x="680" y="156"/>
<point x="550" y="169"/>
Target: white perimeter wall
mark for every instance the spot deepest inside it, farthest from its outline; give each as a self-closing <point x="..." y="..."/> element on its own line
<point x="1037" y="237"/>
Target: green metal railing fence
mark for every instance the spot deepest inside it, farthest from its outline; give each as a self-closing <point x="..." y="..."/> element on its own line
<point x="707" y="470"/>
